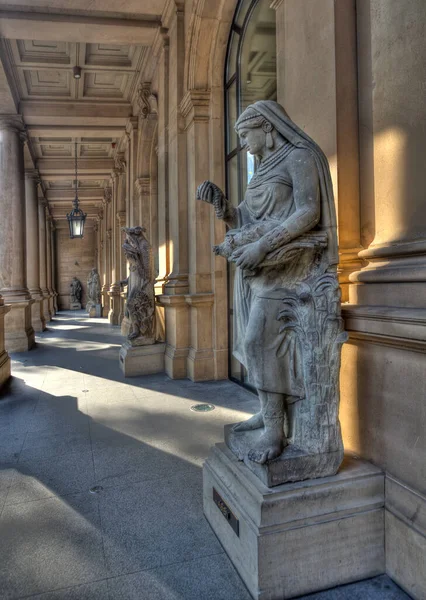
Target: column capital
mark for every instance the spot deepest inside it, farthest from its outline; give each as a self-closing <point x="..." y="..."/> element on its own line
<point x="275" y="4"/>
<point x="195" y="106"/>
<point x="33" y="174"/>
<point x="12" y="123"/>
<point x="143" y="185"/>
<point x="121" y="218"/>
<point x="42" y="201"/>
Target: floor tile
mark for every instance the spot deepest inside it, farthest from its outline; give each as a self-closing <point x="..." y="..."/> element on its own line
<point x="88" y="591"/>
<point x="42" y="445"/>
<point x="155" y="523"/>
<point x="67" y="474"/>
<point x="50" y="544"/>
<point x="209" y="578"/>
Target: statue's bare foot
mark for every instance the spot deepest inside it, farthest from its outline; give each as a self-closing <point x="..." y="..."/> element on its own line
<point x="270" y="446"/>
<point x="255" y="422"/>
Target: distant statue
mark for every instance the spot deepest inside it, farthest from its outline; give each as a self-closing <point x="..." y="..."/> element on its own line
<point x="288" y="330"/>
<point x="93" y="289"/>
<point x="76" y="292"/>
<point x="140" y="305"/>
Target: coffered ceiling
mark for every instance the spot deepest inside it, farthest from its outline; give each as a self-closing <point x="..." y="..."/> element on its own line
<point x="41" y="41"/>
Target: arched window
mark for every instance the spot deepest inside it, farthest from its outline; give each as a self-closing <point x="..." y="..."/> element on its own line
<point x="250" y="75"/>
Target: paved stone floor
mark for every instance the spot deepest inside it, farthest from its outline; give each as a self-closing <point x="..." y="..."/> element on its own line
<point x="70" y="422"/>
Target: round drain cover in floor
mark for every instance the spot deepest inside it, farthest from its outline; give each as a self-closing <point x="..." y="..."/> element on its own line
<point x="202" y="407"/>
<point x="96" y="489"/>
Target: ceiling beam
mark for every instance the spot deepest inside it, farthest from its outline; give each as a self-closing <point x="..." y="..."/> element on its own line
<point x="61" y="176"/>
<point x="95" y="194"/>
<point x="67" y="166"/>
<point x="16" y="25"/>
<point x="75" y="114"/>
<point x="67" y="131"/>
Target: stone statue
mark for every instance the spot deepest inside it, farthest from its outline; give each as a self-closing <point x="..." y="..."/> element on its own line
<point x="93" y="289"/>
<point x="140" y="305"/>
<point x="76" y="292"/>
<point x="288" y="330"/>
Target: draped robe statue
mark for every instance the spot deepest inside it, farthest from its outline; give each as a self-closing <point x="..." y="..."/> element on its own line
<point x="287" y="326"/>
<point x="93" y="289"/>
<point x="76" y="291"/>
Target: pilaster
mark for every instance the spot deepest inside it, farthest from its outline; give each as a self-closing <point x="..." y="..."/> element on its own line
<point x="177" y="334"/>
<point x="19" y="333"/>
<point x="32" y="180"/>
<point x="42" y="204"/>
<point x="200" y="361"/>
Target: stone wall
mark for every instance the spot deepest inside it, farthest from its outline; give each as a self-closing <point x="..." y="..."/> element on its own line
<point x="75" y="258"/>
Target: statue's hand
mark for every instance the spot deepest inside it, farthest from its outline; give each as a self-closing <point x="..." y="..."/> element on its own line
<point x="250" y="256"/>
<point x="212" y="194"/>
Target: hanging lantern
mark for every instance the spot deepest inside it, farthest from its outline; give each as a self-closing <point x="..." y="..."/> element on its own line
<point x="76" y="217"/>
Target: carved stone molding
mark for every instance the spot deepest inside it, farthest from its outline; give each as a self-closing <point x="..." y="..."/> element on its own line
<point x="109" y="234"/>
<point x="120" y="163"/>
<point x="143" y="185"/>
<point x="195" y="106"/>
<point x="147" y="101"/>
<point x="275" y="4"/>
<point x="121" y="218"/>
<point x="107" y="195"/>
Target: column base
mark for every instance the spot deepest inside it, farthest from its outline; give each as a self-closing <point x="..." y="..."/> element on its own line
<point x="4" y="357"/>
<point x="114" y="311"/>
<point x="105" y="303"/>
<point x="55" y="302"/>
<point x="297" y="538"/>
<point x="19" y="333"/>
<point x="51" y="304"/>
<point x="46" y="310"/>
<point x="38" y="320"/>
<point x="141" y="360"/>
<point x="4" y="367"/>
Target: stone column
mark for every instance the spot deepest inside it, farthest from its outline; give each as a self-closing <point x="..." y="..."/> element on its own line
<point x="4" y="357"/>
<point x="106" y="245"/>
<point x="54" y="272"/>
<point x="49" y="264"/>
<point x="19" y="333"/>
<point x="42" y="203"/>
<point x="32" y="179"/>
<point x="195" y="109"/>
<point x="122" y="273"/>
<point x="118" y="178"/>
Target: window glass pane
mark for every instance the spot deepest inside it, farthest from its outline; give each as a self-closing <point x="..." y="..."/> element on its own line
<point x="258" y="60"/>
<point x="242" y="11"/>
<point x="232" y="56"/>
<point x="233" y="194"/>
<point x="232" y="116"/>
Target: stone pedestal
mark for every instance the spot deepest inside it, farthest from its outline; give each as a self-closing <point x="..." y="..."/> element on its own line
<point x="293" y="464"/>
<point x="296" y="538"/>
<point x="95" y="310"/>
<point x="141" y="360"/>
<point x="75" y="306"/>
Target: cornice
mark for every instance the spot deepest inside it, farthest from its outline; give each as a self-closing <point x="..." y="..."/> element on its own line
<point x="171" y="9"/>
<point x="33" y="174"/>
